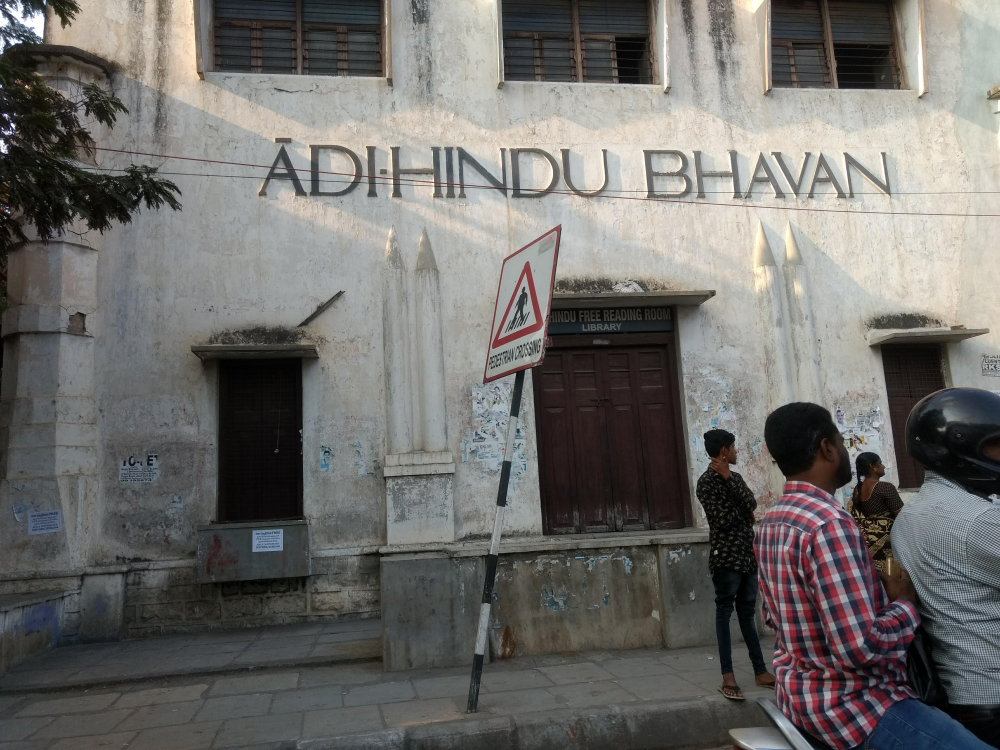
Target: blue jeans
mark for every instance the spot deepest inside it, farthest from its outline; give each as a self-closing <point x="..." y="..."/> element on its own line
<point x="911" y="725"/>
<point x="733" y="588"/>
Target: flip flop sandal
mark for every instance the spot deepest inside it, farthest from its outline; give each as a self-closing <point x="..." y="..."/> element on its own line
<point x="732" y="692"/>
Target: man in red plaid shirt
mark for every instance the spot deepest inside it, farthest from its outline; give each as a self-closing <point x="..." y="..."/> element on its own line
<point x="842" y="634"/>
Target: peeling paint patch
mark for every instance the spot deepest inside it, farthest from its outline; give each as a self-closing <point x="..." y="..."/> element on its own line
<point x="486" y="442"/>
<point x="675" y="556"/>
<point x="655" y="614"/>
<point x="627" y="563"/>
<point x="554" y="599"/>
<point x="361" y="461"/>
<point x="176" y="506"/>
<point x="691" y="596"/>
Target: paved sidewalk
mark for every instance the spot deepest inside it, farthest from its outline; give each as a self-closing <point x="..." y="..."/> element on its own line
<point x="201" y="653"/>
<point x="327" y="706"/>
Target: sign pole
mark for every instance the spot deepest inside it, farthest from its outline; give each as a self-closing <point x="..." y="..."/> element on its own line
<point x="517" y="342"/>
<point x="491" y="558"/>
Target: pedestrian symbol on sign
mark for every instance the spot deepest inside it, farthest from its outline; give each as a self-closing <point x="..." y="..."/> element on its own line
<point x="520" y="319"/>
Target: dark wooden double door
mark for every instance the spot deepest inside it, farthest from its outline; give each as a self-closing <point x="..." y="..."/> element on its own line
<point x="610" y="440"/>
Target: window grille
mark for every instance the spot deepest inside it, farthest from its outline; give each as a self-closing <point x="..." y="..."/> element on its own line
<point x="577" y="40"/>
<point x="834" y="44"/>
<point x="314" y="37"/>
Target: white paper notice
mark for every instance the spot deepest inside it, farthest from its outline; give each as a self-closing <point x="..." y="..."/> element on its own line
<point x="137" y="469"/>
<point x="45" y="522"/>
<point x="268" y="540"/>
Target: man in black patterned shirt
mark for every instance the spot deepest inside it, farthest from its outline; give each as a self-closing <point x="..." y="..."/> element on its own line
<point x="729" y="505"/>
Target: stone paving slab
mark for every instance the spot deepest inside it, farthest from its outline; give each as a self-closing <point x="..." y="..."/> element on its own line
<point x="100" y="664"/>
<point x="347" y="705"/>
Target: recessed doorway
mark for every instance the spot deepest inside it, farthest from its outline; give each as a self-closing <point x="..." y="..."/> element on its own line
<point x="610" y="439"/>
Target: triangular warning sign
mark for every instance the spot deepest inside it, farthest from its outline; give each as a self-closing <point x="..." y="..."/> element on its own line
<point x="526" y="318"/>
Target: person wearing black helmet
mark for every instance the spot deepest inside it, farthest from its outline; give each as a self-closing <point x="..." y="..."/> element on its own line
<point x="948" y="538"/>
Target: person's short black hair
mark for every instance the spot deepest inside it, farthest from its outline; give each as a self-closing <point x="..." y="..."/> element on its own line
<point x="716" y="440"/>
<point x="864" y="462"/>
<point x="793" y="434"/>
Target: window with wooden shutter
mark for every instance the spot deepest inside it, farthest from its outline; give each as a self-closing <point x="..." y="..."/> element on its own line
<point x="834" y="43"/>
<point x="260" y="440"/>
<point x="313" y="37"/>
<point x="911" y="372"/>
<point x="577" y="40"/>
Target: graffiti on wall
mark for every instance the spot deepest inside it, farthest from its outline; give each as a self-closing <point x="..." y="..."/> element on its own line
<point x="486" y="442"/>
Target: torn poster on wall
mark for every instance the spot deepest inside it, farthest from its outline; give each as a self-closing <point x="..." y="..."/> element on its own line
<point x="862" y="433"/>
<point x="140" y="470"/>
<point x="486" y="442"/>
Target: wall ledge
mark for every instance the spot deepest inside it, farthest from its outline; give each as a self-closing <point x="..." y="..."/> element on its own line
<point x="544" y="544"/>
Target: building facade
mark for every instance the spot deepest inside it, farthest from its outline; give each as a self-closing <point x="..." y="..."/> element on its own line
<point x="760" y="201"/>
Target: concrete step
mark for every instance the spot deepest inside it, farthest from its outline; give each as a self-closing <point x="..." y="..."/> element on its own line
<point x="206" y="653"/>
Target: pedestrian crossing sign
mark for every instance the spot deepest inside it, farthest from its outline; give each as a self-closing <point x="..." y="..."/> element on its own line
<point x="521" y="313"/>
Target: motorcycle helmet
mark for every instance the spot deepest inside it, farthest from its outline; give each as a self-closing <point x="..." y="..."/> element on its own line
<point x="946" y="432"/>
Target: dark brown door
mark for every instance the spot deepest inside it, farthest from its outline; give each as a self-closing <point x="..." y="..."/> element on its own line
<point x="911" y="372"/>
<point x="608" y="426"/>
<point x="260" y="440"/>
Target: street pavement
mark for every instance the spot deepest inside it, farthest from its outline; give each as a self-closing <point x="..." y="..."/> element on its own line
<point x="265" y="706"/>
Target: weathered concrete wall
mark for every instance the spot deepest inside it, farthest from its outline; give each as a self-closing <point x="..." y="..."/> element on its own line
<point x="233" y="260"/>
<point x="102" y="601"/>
<point x="172" y="601"/>
<point x="32" y="623"/>
<point x="430" y="610"/>
<point x="688" y="596"/>
<point x="576" y="601"/>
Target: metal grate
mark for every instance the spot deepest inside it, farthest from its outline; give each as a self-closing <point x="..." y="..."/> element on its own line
<point x="911" y="372"/>
<point x="857" y="35"/>
<point x="577" y="40"/>
<point x="260" y="440"/>
<point x="318" y="37"/>
<point x="798" y="52"/>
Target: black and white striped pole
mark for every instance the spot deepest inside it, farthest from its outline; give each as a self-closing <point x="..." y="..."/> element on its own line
<point x="517" y="342"/>
<point x="491" y="558"/>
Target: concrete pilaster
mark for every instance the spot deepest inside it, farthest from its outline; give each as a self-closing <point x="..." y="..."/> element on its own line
<point x="803" y="332"/>
<point x="396" y="335"/>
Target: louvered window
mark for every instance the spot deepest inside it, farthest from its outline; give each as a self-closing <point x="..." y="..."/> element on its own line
<point x="314" y="37"/>
<point x="848" y="44"/>
<point x="577" y="40"/>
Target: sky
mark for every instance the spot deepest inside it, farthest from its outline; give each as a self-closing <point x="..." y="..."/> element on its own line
<point x="36" y="23"/>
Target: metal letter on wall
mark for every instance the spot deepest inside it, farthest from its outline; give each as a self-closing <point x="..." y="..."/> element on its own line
<point x="882" y="187"/>
<point x="464" y="158"/>
<point x="515" y="170"/>
<point x="569" y="180"/>
<point x="652" y="174"/>
<point x="314" y="167"/>
<point x="281" y="161"/>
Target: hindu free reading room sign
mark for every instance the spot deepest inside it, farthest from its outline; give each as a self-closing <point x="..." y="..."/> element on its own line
<point x="611" y="320"/>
